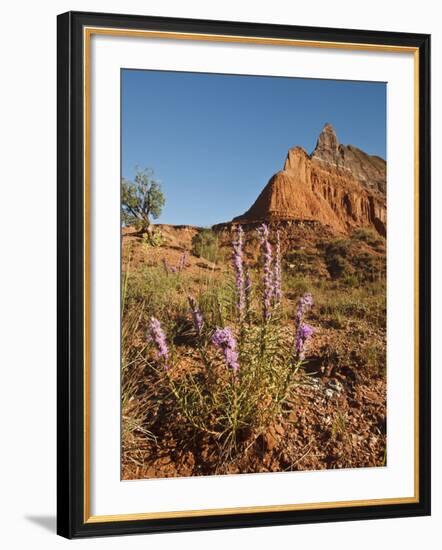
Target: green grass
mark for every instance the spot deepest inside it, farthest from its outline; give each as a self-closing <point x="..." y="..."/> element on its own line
<point x="342" y="300"/>
<point x="369" y="236"/>
<point x="205" y="244"/>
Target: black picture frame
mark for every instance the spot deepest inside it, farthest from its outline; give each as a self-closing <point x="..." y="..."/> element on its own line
<point x="72" y="521"/>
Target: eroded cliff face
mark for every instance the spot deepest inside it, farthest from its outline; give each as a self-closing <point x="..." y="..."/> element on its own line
<point x="368" y="170"/>
<point x="338" y="185"/>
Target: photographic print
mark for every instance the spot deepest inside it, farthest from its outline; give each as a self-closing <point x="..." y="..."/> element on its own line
<point x="227" y="271"/>
<point x="253" y="274"/>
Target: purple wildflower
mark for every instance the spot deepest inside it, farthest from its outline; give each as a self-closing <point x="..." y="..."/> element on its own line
<point x="157" y="336"/>
<point x="268" y="275"/>
<point x="197" y="316"/>
<point x="248" y="290"/>
<point x="182" y="264"/>
<point x="277" y="293"/>
<point x="166" y="266"/>
<point x="237" y="259"/>
<point x="224" y="340"/>
<point x="304" y="304"/>
<point x="304" y="333"/>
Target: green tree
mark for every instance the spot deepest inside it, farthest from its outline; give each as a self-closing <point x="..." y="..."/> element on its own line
<point x="141" y="200"/>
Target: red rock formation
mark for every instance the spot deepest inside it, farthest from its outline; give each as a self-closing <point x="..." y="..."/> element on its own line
<point x="369" y="170"/>
<point x="337" y="185"/>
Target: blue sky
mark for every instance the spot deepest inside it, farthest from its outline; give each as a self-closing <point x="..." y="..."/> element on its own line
<point x="214" y="141"/>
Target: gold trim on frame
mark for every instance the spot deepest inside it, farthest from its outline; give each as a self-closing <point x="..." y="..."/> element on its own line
<point x="87" y="33"/>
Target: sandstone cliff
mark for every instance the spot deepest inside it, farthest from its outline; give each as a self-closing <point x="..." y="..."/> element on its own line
<point x="338" y="185"/>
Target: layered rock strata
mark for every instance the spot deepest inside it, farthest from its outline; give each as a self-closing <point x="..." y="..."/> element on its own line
<point x="338" y="185"/>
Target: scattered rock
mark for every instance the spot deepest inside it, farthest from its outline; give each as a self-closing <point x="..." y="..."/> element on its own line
<point x="335" y="385"/>
<point x="329" y="393"/>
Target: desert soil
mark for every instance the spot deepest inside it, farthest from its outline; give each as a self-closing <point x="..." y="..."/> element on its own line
<point x="337" y="415"/>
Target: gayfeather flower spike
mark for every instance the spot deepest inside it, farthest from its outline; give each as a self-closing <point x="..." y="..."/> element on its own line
<point x="303" y="331"/>
<point x="303" y="334"/>
<point x="197" y="316"/>
<point x="224" y="340"/>
<point x="266" y="250"/>
<point x="182" y="264"/>
<point x="157" y="336"/>
<point x="248" y="290"/>
<point x="238" y="266"/>
<point x="277" y="293"/>
<point x="304" y="304"/>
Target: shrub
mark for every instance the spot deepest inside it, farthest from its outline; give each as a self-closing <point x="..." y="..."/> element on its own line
<point x="369" y="236"/>
<point x="338" y="266"/>
<point x="154" y="238"/>
<point x="340" y="247"/>
<point x="336" y="258"/>
<point x="348" y="260"/>
<point x="350" y="280"/>
<point x="369" y="267"/>
<point x="302" y="261"/>
<point x="247" y="368"/>
<point x="205" y="245"/>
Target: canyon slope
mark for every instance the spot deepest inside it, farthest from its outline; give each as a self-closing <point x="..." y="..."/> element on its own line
<point x="340" y="186"/>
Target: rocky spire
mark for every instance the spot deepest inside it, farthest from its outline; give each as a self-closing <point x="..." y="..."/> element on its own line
<point x="327" y="146"/>
<point x="337" y="185"/>
<point x="368" y="170"/>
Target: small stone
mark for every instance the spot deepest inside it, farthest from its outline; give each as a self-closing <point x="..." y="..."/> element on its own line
<point x="279" y="429"/>
<point x="336" y="386"/>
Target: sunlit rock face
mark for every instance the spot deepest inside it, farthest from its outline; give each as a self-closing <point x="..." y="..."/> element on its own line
<point x="338" y="185"/>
